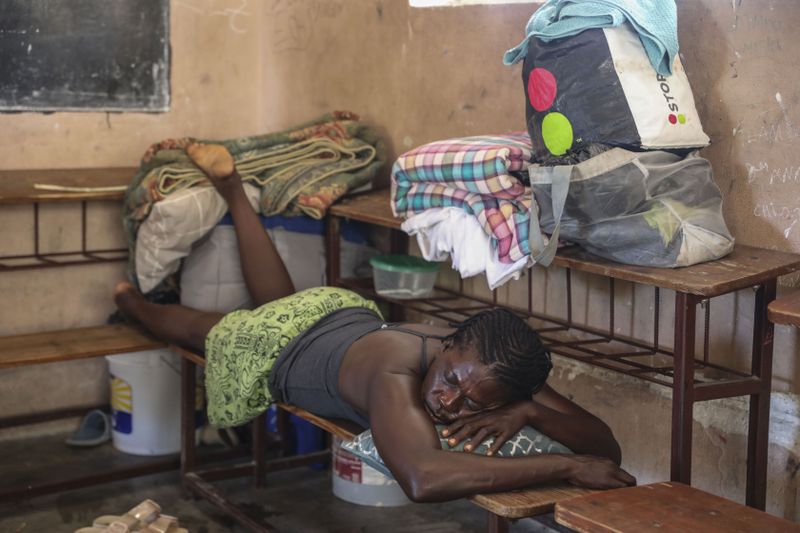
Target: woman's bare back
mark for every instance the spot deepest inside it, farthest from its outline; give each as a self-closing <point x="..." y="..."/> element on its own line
<point x="386" y="351"/>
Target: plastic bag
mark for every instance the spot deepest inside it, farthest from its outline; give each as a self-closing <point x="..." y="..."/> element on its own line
<point x="649" y="208"/>
<point x="599" y="87"/>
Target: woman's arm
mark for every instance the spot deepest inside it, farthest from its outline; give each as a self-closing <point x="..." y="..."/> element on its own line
<point x="408" y="444"/>
<point x="549" y="412"/>
<point x="565" y="421"/>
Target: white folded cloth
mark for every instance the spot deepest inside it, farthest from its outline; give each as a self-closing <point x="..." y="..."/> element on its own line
<point x="450" y="231"/>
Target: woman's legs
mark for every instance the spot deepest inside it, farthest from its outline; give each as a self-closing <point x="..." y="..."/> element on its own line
<point x="175" y="324"/>
<point x="264" y="273"/>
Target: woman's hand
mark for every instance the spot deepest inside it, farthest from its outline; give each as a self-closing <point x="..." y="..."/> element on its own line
<point x="502" y="424"/>
<point x="598" y="473"/>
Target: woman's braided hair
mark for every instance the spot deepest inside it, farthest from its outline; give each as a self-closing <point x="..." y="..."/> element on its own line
<point x="511" y="349"/>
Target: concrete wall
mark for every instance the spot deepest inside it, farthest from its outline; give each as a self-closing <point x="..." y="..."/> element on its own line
<point x="216" y="93"/>
<point x="426" y="74"/>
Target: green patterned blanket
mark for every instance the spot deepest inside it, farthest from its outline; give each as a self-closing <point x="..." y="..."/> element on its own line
<point x="299" y="171"/>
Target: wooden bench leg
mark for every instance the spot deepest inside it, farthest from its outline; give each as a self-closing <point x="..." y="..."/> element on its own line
<point x="398" y="243"/>
<point x="683" y="387"/>
<point x="332" y="251"/>
<point x="188" y="400"/>
<point x="758" y="426"/>
<point x="283" y="425"/>
<point x="259" y="450"/>
<point x="208" y="492"/>
<point x="496" y="523"/>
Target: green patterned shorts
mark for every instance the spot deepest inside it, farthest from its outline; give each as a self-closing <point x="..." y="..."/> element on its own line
<point x="242" y="348"/>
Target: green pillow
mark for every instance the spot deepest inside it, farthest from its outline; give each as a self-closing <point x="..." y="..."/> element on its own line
<point x="527" y="441"/>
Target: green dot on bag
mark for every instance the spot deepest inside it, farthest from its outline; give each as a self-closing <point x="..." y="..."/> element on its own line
<point x="557" y="133"/>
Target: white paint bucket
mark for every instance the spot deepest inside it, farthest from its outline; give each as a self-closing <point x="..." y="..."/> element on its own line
<point x="359" y="483"/>
<point x="146" y="402"/>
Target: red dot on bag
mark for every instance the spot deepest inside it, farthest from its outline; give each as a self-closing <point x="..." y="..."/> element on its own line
<point x="542" y="88"/>
<point x="672" y="119"/>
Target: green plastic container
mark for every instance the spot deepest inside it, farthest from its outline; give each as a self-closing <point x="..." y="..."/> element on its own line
<point x="403" y="276"/>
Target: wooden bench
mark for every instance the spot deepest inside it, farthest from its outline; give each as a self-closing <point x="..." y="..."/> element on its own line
<point x="18" y="187"/>
<point x="501" y="507"/>
<point x="664" y="507"/>
<point x="71" y="345"/>
<point x="786" y="310"/>
<point x="683" y="368"/>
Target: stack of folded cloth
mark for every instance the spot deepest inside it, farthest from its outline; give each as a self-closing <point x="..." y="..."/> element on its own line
<point x="468" y="198"/>
<point x="607" y="157"/>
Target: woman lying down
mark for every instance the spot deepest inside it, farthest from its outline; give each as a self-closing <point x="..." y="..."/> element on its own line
<point x="328" y="351"/>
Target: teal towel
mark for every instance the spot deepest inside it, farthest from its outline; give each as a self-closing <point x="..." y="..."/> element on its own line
<point x="655" y="21"/>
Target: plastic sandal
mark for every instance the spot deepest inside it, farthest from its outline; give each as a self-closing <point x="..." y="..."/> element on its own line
<point x="94" y="429"/>
<point x="113" y="527"/>
<point x="143" y="514"/>
<point x="164" y="524"/>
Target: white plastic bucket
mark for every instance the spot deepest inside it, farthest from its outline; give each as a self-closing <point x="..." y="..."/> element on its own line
<point x="146" y="402"/>
<point x="359" y="483"/>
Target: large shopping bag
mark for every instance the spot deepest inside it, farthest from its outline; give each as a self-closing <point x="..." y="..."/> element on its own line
<point x="647" y="208"/>
<point x="600" y="87"/>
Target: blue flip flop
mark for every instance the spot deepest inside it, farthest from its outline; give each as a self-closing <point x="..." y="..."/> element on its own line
<point x="95" y="429"/>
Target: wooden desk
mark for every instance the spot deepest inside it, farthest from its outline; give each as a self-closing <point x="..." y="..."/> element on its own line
<point x="692" y="379"/>
<point x="71" y="345"/>
<point x="17" y="188"/>
<point x="74" y="344"/>
<point x="665" y="508"/>
<point x="786" y="310"/>
<point x="744" y="267"/>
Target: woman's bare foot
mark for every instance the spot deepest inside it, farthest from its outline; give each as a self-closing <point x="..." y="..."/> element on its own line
<point x="217" y="163"/>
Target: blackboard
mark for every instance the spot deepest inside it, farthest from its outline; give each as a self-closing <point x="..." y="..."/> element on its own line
<point x="84" y="55"/>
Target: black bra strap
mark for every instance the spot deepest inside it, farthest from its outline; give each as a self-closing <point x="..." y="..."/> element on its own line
<point x="423" y="363"/>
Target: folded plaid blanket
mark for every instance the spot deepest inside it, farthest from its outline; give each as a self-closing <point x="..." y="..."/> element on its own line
<point x="299" y="171"/>
<point x="482" y="175"/>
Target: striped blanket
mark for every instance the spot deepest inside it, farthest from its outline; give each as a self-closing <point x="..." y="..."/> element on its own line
<point x="482" y="175"/>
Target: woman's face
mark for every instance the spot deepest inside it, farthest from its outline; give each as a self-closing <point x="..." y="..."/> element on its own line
<point x="458" y="384"/>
